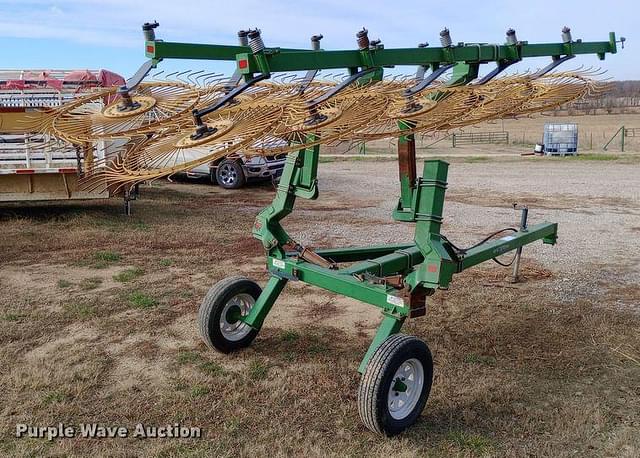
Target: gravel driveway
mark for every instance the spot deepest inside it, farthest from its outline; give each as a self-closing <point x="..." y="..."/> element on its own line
<point x="596" y="203"/>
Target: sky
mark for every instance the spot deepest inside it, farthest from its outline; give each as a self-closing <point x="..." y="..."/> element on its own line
<point x="93" y="34"/>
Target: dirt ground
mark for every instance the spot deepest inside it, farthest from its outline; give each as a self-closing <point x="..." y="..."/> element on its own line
<point x="98" y="320"/>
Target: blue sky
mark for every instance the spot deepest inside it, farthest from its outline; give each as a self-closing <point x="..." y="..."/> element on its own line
<point x="61" y="34"/>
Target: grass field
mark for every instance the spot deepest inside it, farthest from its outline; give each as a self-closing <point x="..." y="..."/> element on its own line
<point x="97" y="321"/>
<point x="593" y="133"/>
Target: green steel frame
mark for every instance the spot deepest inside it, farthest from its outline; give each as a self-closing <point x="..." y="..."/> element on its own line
<point x="395" y="278"/>
<point x="288" y="60"/>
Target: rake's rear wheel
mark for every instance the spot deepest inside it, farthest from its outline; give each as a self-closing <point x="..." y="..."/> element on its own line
<point x="220" y="312"/>
<point x="395" y="385"/>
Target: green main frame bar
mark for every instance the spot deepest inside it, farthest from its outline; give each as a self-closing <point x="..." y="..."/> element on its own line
<point x="286" y="60"/>
<point x="398" y="261"/>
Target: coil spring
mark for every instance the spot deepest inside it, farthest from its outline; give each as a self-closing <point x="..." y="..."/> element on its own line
<point x="242" y="38"/>
<point x="255" y="41"/>
<point x="363" y="39"/>
<point x="315" y="42"/>
<point x="445" y="38"/>
<point x="148" y="30"/>
<point x="149" y="35"/>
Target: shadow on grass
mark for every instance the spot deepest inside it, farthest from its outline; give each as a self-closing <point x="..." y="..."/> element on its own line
<point x="60" y="212"/>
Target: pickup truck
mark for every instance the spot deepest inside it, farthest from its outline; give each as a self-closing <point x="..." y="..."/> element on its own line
<point x="233" y="172"/>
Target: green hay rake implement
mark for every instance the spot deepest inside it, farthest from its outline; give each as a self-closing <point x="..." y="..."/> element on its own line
<point x="396" y="370"/>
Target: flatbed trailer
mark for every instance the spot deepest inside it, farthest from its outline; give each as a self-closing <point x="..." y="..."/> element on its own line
<point x="35" y="166"/>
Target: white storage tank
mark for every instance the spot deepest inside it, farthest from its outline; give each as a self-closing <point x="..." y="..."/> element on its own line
<point x="560" y="139"/>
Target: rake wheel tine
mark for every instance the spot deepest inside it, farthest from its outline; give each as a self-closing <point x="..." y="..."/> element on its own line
<point x="193" y="77"/>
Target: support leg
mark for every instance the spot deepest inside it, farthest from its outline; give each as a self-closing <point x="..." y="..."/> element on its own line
<point x="299" y="179"/>
<point x="407" y="166"/>
<point x="407" y="169"/>
<point x="263" y="305"/>
<point x="390" y="325"/>
<point x="523" y="227"/>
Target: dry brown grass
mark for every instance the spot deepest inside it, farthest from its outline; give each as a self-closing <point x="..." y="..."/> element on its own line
<point x="517" y="373"/>
<point x="593" y="132"/>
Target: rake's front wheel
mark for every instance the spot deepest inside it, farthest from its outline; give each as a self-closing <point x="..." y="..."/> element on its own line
<point x="395" y="385"/>
<point x="220" y="312"/>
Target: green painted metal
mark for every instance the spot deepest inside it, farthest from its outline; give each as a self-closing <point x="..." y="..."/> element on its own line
<point x="547" y="232"/>
<point x="382" y="296"/>
<point x="398" y="385"/>
<point x="427" y="263"/>
<point x="263" y="305"/>
<point x="286" y="60"/>
<point x="463" y="73"/>
<point x="360" y="253"/>
<point x="299" y="178"/>
<point x="427" y="203"/>
<point x="390" y="325"/>
<point x="159" y="50"/>
<point x="400" y="261"/>
<point x="422" y="266"/>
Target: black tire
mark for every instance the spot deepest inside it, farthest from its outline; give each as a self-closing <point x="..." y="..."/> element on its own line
<point x="377" y="380"/>
<point x="229" y="174"/>
<point x="213" y="305"/>
<point x="212" y="176"/>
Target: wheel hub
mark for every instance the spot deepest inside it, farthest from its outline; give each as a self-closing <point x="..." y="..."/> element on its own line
<point x="231" y="325"/>
<point x="214" y="131"/>
<point x="406" y="389"/>
<point x="233" y="314"/>
<point x="139" y="104"/>
<point x="399" y="385"/>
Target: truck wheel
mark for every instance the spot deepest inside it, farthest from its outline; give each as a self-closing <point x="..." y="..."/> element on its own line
<point x="230" y="175"/>
<point x="220" y="312"/>
<point x="395" y="385"/>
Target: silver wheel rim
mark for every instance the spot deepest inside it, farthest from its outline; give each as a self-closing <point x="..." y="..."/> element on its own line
<point x="228" y="174"/>
<point x="236" y="330"/>
<point x="406" y="388"/>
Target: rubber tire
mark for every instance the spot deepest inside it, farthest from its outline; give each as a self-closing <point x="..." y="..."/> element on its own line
<point x="211" y="310"/>
<point x="239" y="172"/>
<point x="378" y="376"/>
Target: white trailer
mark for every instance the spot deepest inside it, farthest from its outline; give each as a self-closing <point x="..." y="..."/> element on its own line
<point x="35" y="166"/>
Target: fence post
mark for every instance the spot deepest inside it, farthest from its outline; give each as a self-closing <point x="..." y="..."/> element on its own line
<point x="606" y="145"/>
<point x="362" y="148"/>
<point x="623" y="133"/>
<point x="453" y="140"/>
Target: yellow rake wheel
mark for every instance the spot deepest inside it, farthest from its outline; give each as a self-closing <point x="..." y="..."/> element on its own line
<point x="276" y="118"/>
<point x="232" y="131"/>
<point x="157" y="105"/>
<point x="141" y="104"/>
<point x="335" y="120"/>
